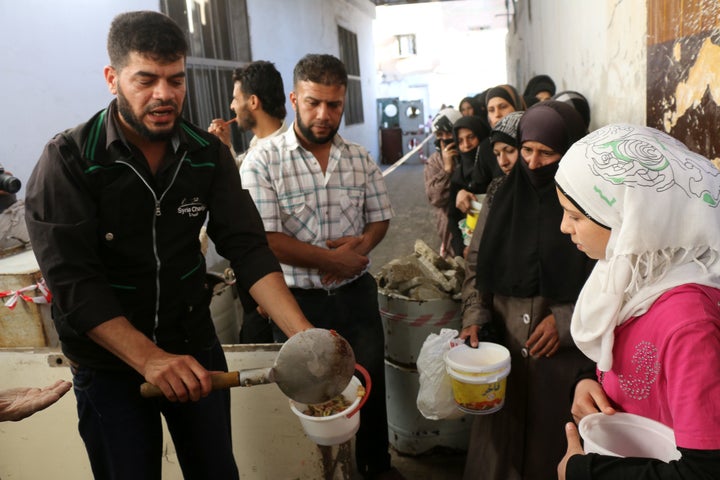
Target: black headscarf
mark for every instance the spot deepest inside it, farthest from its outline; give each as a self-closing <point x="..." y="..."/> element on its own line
<point x="539" y="83"/>
<point x="522" y="252"/>
<point x="482" y="107"/>
<point x="467" y="175"/>
<point x="473" y="123"/>
<point x="477" y="111"/>
<point x="509" y="93"/>
<point x="552" y="123"/>
<point x="576" y="100"/>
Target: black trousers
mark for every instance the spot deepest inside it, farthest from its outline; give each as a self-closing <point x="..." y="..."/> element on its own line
<point x="123" y="432"/>
<point x="256" y="328"/>
<point x="352" y="311"/>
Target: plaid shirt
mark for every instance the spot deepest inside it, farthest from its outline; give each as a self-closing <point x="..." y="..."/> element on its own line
<point x="294" y="197"/>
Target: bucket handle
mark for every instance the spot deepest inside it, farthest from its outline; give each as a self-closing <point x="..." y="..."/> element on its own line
<point x="368" y="387"/>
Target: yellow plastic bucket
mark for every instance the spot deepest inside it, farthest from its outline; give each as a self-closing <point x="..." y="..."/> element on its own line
<point x="478" y="376"/>
<point x="472" y="215"/>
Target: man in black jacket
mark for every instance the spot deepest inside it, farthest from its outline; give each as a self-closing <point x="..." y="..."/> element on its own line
<point x="114" y="208"/>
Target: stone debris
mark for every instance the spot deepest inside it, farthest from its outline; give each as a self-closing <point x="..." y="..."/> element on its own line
<point x="423" y="275"/>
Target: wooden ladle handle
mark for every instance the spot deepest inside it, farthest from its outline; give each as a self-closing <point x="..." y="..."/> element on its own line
<point x="219" y="381"/>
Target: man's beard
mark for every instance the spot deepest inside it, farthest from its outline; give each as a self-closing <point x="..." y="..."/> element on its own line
<point x="246" y="121"/>
<point x="125" y="110"/>
<point x="310" y="136"/>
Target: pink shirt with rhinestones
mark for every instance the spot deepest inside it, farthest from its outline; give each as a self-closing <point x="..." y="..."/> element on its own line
<point x="666" y="365"/>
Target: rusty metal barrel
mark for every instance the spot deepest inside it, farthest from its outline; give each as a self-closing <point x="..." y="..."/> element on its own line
<point x="407" y="323"/>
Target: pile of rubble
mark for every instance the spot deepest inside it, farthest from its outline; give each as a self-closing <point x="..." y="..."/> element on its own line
<point x="422" y="276"/>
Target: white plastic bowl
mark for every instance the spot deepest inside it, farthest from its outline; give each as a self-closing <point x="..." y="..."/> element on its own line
<point x="333" y="429"/>
<point x="628" y="435"/>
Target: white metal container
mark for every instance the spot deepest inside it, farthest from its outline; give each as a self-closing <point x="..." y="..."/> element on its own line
<point x="225" y="309"/>
<point x="410" y="433"/>
<point x="25" y="319"/>
<point x="268" y="441"/>
<point x="407" y="323"/>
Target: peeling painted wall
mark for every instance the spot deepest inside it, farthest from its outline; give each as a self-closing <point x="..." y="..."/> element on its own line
<point x="683" y="85"/>
<point x="652" y="62"/>
<point x="597" y="48"/>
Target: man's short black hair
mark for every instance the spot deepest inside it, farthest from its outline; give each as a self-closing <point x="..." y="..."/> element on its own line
<point x="148" y="33"/>
<point x="261" y="78"/>
<point x="320" y="68"/>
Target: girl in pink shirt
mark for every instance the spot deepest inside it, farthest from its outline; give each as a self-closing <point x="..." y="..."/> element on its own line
<point x="647" y="209"/>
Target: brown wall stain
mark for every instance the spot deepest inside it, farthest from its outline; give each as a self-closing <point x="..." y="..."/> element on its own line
<point x="683" y="81"/>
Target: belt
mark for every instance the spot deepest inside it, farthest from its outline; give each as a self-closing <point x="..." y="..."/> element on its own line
<point x="314" y="292"/>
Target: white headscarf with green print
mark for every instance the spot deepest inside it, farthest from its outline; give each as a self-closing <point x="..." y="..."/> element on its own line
<point x="661" y="202"/>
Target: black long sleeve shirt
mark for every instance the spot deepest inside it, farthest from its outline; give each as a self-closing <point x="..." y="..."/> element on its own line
<point x="112" y="239"/>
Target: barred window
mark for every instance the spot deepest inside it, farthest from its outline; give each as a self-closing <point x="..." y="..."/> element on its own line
<point x="349" y="56"/>
<point x="218" y="36"/>
<point x="215" y="28"/>
<point x="406" y="45"/>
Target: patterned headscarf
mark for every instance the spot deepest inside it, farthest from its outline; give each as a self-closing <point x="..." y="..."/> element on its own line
<point x="660" y="201"/>
<point x="506" y="130"/>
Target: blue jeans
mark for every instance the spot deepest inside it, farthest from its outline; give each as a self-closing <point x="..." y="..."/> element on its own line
<point x="123" y="433"/>
<point x="352" y="310"/>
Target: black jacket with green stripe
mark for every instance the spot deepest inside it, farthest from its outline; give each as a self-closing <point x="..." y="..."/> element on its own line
<point x="112" y="239"/>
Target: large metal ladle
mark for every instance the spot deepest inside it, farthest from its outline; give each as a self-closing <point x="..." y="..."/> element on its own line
<point x="313" y="366"/>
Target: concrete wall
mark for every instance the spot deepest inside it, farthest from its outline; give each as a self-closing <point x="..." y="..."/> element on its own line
<point x="595" y="47"/>
<point x="53" y="56"/>
<point x="283" y="32"/>
<point x="54" y="52"/>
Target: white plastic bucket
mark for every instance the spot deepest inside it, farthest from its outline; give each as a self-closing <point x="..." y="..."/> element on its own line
<point x="338" y="428"/>
<point x="627" y="435"/>
<point x="478" y="376"/>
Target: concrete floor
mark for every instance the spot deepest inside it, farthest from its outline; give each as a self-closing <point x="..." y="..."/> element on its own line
<point x="413" y="220"/>
<point x="438" y="466"/>
<point x="413" y="215"/>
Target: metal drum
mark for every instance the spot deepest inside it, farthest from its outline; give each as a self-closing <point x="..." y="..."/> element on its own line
<point x="225" y="307"/>
<point x="407" y="323"/>
<point x="410" y="432"/>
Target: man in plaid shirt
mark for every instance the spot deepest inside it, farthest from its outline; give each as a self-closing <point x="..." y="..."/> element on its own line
<point x="325" y="206"/>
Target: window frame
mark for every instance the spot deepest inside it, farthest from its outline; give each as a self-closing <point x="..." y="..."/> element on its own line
<point x="216" y="47"/>
<point x="349" y="55"/>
